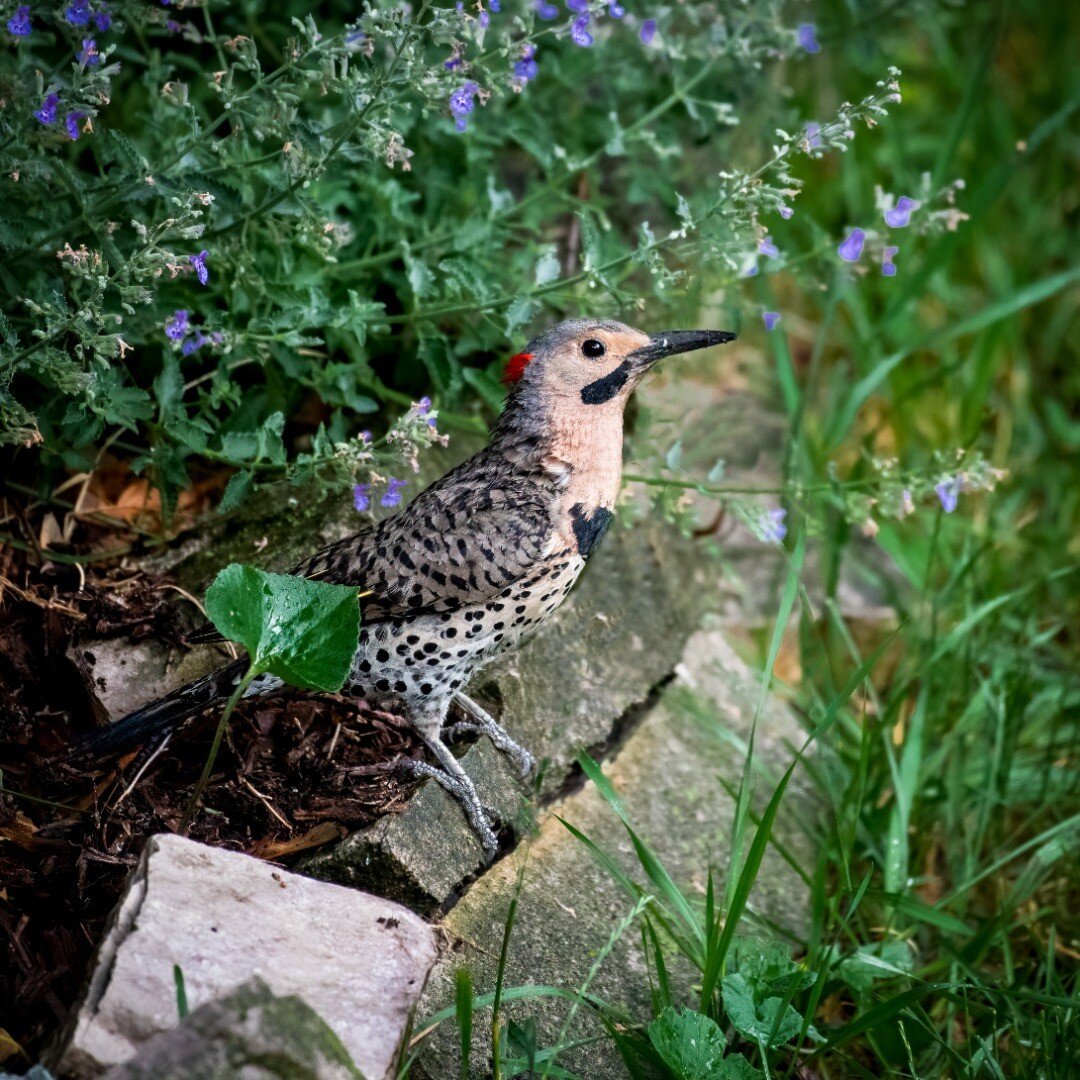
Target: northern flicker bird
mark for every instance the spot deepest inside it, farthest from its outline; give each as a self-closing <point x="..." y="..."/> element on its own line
<point x="481" y="557"/>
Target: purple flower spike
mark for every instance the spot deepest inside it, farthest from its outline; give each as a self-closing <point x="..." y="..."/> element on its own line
<point x="462" y="102"/>
<point x="71" y="124"/>
<point x="813" y="135"/>
<point x="851" y="248"/>
<point x="648" y="31"/>
<point x="177" y="326"/>
<point x="201" y="270"/>
<point x="47" y="113"/>
<point x="78" y="13"/>
<point x="361" y="497"/>
<point x="770" y="319"/>
<point x="772" y="526"/>
<point x="616" y="11"/>
<point x="546" y="11"/>
<point x="785" y="211"/>
<point x="19" y="23"/>
<point x="194" y="344"/>
<point x="526" y="68"/>
<point x="948" y="492"/>
<point x="393" y="492"/>
<point x="103" y="20"/>
<point x="89" y="55"/>
<point x="888" y="267"/>
<point x="900" y="215"/>
<point x="767" y="247"/>
<point x="806" y="35"/>
<point x="579" y="32"/>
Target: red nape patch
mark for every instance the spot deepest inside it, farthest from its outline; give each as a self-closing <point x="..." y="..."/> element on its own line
<point x="515" y="367"/>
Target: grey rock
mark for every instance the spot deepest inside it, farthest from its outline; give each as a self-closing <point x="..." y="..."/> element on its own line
<point x="672" y="776"/>
<point x="222" y="918"/>
<point x="249" y="1033"/>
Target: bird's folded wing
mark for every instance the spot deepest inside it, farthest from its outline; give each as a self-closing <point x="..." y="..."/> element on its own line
<point x="455" y="546"/>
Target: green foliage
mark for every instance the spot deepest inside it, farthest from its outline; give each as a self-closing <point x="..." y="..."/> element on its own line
<point x="692" y="1047"/>
<point x="360" y="249"/>
<point x="302" y="631"/>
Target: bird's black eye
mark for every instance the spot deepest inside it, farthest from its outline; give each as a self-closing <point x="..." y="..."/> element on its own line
<point x="593" y="348"/>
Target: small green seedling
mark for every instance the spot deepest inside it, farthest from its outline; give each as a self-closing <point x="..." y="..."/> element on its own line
<point x="304" y="632"/>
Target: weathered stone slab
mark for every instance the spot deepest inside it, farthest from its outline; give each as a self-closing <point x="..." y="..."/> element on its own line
<point x="223" y="917"/>
<point x="249" y="1033"/>
<point x="671" y="775"/>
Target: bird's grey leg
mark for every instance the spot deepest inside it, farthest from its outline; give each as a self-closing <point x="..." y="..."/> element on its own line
<point x="456" y="780"/>
<point x="478" y="719"/>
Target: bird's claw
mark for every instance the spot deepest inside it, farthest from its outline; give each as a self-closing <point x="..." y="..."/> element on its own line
<point x="479" y="720"/>
<point x="480" y="817"/>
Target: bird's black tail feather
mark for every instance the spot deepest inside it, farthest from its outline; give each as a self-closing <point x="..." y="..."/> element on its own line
<point x="162" y="715"/>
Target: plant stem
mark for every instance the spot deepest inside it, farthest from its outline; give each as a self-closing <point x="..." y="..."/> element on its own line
<point x="196" y="795"/>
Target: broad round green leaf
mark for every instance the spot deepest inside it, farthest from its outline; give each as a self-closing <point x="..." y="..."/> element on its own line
<point x="302" y="631"/>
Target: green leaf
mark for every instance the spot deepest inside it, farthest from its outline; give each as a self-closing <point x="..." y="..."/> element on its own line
<point x="768" y="1024"/>
<point x="692" y="1045"/>
<point x="302" y="631"/>
<point x="876" y="961"/>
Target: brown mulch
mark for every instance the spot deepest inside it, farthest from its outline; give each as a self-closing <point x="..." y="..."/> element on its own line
<point x="295" y="771"/>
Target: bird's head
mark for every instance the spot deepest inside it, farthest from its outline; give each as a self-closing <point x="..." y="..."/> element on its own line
<point x="593" y="363"/>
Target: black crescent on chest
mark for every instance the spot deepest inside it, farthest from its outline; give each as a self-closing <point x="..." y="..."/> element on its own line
<point x="589" y="527"/>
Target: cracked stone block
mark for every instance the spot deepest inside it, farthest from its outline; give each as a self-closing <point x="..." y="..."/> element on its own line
<point x="673" y="774"/>
<point x="223" y="917"/>
<point x="249" y="1033"/>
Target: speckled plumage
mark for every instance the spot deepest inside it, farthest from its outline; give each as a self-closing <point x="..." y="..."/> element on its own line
<point x="482" y="556"/>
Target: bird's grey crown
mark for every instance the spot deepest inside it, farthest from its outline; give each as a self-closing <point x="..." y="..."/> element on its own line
<point x="571" y="330"/>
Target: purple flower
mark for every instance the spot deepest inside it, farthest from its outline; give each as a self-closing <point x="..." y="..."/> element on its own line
<point x="194" y="344"/>
<point x="19" y="23"/>
<point x="770" y="319"/>
<point x="496" y="6"/>
<point x="546" y="11"/>
<point x="355" y="37"/>
<point x="813" y="135"/>
<point x="103" y="20"/>
<point x="393" y="492"/>
<point x="616" y="11"/>
<point x="423" y="406"/>
<point x="772" y="526"/>
<point x="648" y="31"/>
<point x="199" y="262"/>
<point x="579" y="32"/>
<point x="749" y="267"/>
<point x="47" y="113"/>
<point x="580" y="6"/>
<point x="485" y="18"/>
<point x="78" y="14"/>
<point x="452" y="62"/>
<point x="900" y="215"/>
<point x="71" y="124"/>
<point x="806" y="37"/>
<point x="851" y="248"/>
<point x="526" y="68"/>
<point x="948" y="491"/>
<point x="177" y="326"/>
<point x="361" y="497"/>
<point x="89" y="55"/>
<point x="364" y="436"/>
<point x="888" y="267"/>
<point x="173" y="26"/>
<point x="462" y="102"/>
<point x="785" y="211"/>
<point x="767" y="247"/>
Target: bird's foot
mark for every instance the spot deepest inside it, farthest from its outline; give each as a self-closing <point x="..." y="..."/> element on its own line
<point x="480" y="720"/>
<point x="458" y="784"/>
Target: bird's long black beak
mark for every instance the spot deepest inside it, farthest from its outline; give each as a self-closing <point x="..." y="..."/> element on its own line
<point x="679" y="341"/>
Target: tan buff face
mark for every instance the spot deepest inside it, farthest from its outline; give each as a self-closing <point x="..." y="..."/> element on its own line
<point x="592" y="367"/>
